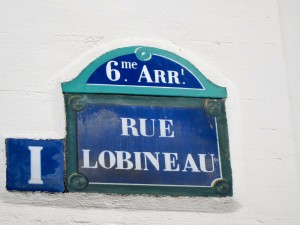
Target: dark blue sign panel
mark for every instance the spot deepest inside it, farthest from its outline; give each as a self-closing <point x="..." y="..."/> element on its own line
<point x="144" y="71"/>
<point x="35" y="165"/>
<point x="148" y="145"/>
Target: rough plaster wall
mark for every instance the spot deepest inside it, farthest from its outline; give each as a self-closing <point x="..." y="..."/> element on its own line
<point x="235" y="43"/>
<point x="290" y="32"/>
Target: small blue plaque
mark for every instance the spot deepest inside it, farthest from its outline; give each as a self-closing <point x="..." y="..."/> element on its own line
<point x="35" y="165"/>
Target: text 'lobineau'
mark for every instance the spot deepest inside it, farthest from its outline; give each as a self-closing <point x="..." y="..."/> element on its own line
<point x="165" y="161"/>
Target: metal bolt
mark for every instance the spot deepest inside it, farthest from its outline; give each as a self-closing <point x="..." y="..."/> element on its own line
<point x="143" y="54"/>
<point x="78" y="181"/>
<point x="213" y="107"/>
<point x="221" y="187"/>
<point x="77" y="103"/>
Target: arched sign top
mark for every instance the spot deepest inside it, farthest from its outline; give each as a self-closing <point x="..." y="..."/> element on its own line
<point x="140" y="70"/>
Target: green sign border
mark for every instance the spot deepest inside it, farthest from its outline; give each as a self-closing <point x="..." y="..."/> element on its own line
<point x="77" y="182"/>
<point x="79" y="84"/>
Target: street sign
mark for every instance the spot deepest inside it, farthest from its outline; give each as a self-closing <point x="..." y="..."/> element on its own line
<point x="143" y="71"/>
<point x="145" y="121"/>
<point x="142" y="145"/>
<point x="35" y="165"/>
<point x="148" y="71"/>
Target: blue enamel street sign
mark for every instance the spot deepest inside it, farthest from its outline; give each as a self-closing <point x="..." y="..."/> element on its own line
<point x="35" y="165"/>
<point x="142" y="120"/>
<point x="140" y="145"/>
<point x="143" y="71"/>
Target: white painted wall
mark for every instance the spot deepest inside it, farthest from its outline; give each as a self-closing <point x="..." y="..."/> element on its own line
<point x="251" y="47"/>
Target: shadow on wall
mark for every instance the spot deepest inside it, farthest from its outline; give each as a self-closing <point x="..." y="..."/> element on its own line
<point x="132" y="202"/>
